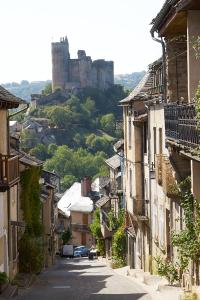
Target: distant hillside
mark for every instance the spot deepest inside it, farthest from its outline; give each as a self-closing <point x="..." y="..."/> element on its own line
<point x="24" y="89"/>
<point x="129" y="80"/>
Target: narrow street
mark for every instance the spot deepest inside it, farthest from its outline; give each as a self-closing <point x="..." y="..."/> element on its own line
<point x="82" y="279"/>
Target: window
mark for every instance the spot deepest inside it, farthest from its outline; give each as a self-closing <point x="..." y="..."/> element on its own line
<point x="145" y="137"/>
<point x="14" y="242"/>
<point x="154" y="144"/>
<point x="129" y="134"/>
<point x="161" y="226"/>
<point x="160" y="141"/>
<point x="1" y="215"/>
<point x="155" y="220"/>
<point x="130" y="183"/>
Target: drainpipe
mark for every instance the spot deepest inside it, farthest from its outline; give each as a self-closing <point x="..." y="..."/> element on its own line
<point x="150" y="200"/>
<point x="164" y="63"/>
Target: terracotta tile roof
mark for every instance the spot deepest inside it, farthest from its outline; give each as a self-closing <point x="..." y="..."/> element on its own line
<point x="9" y="99"/>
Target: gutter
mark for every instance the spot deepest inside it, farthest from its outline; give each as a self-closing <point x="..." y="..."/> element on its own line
<point x="20" y="111"/>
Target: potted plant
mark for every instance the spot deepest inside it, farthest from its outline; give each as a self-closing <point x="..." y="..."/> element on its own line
<point x="3" y="281"/>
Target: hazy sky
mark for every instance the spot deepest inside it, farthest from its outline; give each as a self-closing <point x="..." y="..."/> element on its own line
<point x="116" y="30"/>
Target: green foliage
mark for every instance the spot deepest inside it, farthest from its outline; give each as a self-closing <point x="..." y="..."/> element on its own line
<point x="60" y="117"/>
<point x="196" y="47"/>
<point x="108" y="123"/>
<point x="77" y="163"/>
<point x="3" y="278"/>
<point x="187" y="241"/>
<point x="40" y="151"/>
<point x="116" y="221"/>
<point x="66" y="236"/>
<point x="67" y="181"/>
<point x="29" y="139"/>
<point x="119" y="248"/>
<point x="197" y="102"/>
<point x="101" y="247"/>
<point x="47" y="89"/>
<point x="95" y="227"/>
<point x="31" y="254"/>
<point x="167" y="269"/>
<point x="189" y="296"/>
<point x="30" y="245"/>
<point x="52" y="149"/>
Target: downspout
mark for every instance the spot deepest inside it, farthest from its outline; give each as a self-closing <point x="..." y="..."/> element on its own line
<point x="150" y="200"/>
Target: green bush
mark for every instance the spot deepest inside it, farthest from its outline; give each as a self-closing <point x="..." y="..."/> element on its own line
<point x="119" y="248"/>
<point x="3" y="278"/>
<point x="31" y="254"/>
<point x="167" y="269"/>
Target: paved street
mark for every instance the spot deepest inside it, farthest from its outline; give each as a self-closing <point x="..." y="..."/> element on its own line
<point x="82" y="279"/>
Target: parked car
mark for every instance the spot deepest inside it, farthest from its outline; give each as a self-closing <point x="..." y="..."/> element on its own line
<point x="67" y="251"/>
<point x="77" y="253"/>
<point x="81" y="251"/>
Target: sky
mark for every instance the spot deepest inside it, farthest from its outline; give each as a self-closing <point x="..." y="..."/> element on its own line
<point x="115" y="30"/>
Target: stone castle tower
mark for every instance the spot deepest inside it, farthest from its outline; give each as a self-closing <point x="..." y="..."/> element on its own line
<point x="79" y="73"/>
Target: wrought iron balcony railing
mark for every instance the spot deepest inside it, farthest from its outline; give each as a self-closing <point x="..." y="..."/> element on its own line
<point x="181" y="124"/>
<point x="9" y="171"/>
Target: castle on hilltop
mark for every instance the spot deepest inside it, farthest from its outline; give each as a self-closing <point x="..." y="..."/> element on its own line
<point x="82" y="72"/>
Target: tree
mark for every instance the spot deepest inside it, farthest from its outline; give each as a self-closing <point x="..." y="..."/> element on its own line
<point x="66" y="236"/>
<point x="40" y="151"/>
<point x="108" y="123"/>
<point x="67" y="181"/>
<point x="60" y="117"/>
<point x="52" y="149"/>
<point x="47" y="89"/>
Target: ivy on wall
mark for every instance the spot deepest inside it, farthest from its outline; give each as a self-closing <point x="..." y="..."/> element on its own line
<point x="31" y="244"/>
<point x="188" y="241"/>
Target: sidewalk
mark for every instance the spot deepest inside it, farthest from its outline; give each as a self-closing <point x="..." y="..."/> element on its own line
<point x="154" y="285"/>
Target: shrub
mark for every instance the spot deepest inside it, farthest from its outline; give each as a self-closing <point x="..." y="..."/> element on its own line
<point x="3" y="278"/>
<point x="167" y="269"/>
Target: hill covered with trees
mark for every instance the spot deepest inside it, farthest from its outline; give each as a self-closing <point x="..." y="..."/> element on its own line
<point x="24" y="89"/>
<point x="82" y="130"/>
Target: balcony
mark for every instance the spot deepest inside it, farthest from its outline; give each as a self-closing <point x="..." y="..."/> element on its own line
<point x="9" y="171"/>
<point x="182" y="126"/>
<point x="80" y="227"/>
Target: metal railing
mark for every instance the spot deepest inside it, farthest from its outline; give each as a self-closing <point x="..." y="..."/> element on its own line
<point x="9" y="170"/>
<point x="181" y="124"/>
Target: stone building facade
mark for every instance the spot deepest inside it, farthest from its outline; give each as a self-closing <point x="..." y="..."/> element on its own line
<point x="82" y="72"/>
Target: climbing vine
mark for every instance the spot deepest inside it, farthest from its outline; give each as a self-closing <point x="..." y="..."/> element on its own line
<point x="95" y="228"/>
<point x="187" y="241"/>
<point x="31" y="243"/>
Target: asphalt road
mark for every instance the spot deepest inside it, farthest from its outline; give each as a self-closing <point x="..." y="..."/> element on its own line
<point x="77" y="279"/>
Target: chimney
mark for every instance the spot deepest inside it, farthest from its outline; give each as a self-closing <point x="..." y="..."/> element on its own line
<point x="85" y="186"/>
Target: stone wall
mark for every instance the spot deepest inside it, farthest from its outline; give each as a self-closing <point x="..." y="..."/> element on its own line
<point x="81" y="72"/>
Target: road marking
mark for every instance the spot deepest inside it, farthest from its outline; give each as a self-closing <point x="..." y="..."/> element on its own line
<point x="62" y="287"/>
